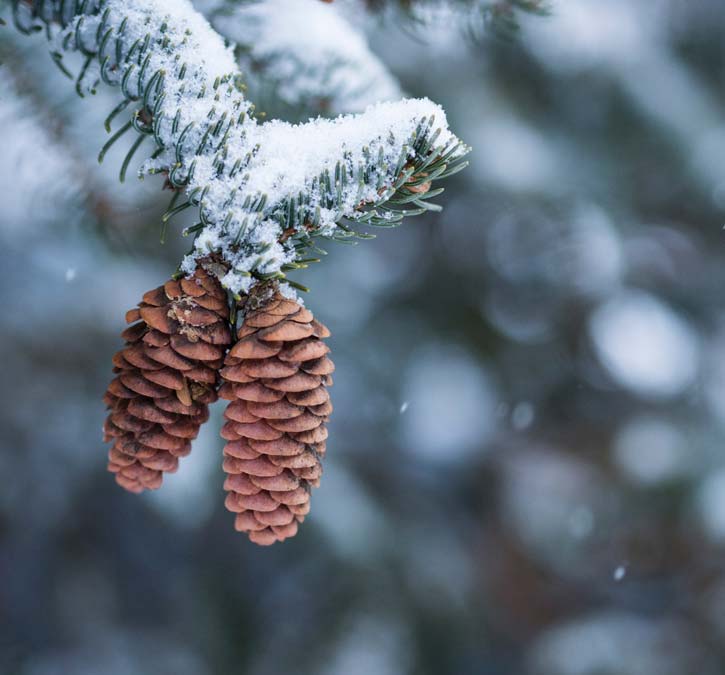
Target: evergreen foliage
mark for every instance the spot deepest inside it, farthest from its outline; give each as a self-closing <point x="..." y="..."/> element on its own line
<point x="181" y="89"/>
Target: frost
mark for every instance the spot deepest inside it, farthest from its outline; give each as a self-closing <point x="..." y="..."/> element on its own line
<point x="272" y="177"/>
<point x="319" y="144"/>
<point x="257" y="186"/>
<point x="237" y="283"/>
<point x="286" y="291"/>
<point x="309" y="54"/>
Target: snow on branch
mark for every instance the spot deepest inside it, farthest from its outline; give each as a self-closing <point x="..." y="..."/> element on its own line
<point x="474" y="17"/>
<point x="307" y="53"/>
<point x="264" y="192"/>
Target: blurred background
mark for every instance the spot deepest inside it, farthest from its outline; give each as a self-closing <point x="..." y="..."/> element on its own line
<point x="526" y="469"/>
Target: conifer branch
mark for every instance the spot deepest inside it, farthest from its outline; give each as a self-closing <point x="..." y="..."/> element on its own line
<point x="264" y="193"/>
<point x="303" y="57"/>
<point x="501" y="17"/>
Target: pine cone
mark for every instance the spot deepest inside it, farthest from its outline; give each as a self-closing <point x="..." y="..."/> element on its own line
<point x="166" y="376"/>
<point x="275" y="377"/>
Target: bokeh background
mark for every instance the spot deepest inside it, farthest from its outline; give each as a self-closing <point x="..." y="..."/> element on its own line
<point x="526" y="471"/>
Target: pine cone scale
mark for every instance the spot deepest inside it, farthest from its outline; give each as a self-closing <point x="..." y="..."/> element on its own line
<point x="275" y="377"/>
<point x="166" y="377"/>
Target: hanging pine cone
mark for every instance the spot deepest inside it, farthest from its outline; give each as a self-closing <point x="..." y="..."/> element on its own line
<point x="276" y="377"/>
<point x="166" y="376"/>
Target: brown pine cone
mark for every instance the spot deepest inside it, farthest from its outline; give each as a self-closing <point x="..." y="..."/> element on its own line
<point x="166" y="376"/>
<point x="276" y="377"/>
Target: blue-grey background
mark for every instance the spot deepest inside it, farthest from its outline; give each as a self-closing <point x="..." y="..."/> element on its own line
<point x="526" y="469"/>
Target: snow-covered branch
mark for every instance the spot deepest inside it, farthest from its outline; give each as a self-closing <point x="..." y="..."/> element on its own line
<point x="263" y="191"/>
<point x="475" y="17"/>
<point x="305" y="54"/>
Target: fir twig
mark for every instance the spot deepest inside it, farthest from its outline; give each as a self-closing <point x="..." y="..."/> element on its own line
<point x="184" y="90"/>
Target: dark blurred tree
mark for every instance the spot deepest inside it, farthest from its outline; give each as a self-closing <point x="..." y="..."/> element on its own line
<point x="527" y="471"/>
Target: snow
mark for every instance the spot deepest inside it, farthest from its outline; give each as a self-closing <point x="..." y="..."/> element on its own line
<point x="243" y="174"/>
<point x="310" y="53"/>
<point x="316" y="147"/>
<point x="286" y="291"/>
